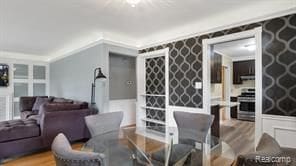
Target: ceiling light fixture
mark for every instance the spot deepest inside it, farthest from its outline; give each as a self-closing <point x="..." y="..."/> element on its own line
<point x="251" y="47"/>
<point x="133" y="3"/>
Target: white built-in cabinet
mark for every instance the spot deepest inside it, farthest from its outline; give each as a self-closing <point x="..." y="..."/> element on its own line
<point x="28" y="79"/>
<point x="152" y="94"/>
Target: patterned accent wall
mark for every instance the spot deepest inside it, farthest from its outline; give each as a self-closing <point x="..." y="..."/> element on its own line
<point x="279" y="66"/>
<point x="155" y="85"/>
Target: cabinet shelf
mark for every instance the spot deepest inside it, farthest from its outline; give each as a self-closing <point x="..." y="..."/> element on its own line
<point x="153" y="121"/>
<point x="153" y="95"/>
<point x="153" y="108"/>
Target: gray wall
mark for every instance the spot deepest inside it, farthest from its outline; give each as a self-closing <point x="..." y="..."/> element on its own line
<point x="71" y="77"/>
<point x="122" y="77"/>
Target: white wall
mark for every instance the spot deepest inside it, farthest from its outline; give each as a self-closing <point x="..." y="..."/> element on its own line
<point x="72" y="76"/>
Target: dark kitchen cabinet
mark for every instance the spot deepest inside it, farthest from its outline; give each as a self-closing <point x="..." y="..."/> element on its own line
<point x="233" y="110"/>
<point x="243" y="68"/>
<point x="216" y="68"/>
<point x="215" y="129"/>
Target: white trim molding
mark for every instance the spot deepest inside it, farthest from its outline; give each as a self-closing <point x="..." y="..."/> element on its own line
<point x="257" y="34"/>
<point x="282" y="128"/>
<point x="21" y="56"/>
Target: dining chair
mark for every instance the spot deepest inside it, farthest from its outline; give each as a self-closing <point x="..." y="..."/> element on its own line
<point x="65" y="156"/>
<point x="103" y="123"/>
<point x="193" y="128"/>
<point x="267" y="147"/>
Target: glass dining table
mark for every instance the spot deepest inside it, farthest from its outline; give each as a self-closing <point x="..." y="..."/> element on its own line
<point x="134" y="146"/>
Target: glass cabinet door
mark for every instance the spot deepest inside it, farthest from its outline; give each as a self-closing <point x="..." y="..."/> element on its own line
<point x="21" y="89"/>
<point x="16" y="109"/>
<point x="39" y="72"/>
<point x="39" y="89"/>
<point x="28" y="80"/>
<point x="21" y="71"/>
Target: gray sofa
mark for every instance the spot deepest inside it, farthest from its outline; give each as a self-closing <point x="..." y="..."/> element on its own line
<point x="37" y="128"/>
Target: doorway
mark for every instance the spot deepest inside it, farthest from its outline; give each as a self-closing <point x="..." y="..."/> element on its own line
<point x="122" y="86"/>
<point x="208" y="51"/>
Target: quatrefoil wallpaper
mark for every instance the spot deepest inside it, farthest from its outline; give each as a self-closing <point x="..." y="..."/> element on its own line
<point x="279" y="66"/>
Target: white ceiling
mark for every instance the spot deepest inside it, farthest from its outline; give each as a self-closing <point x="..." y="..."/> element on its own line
<point x="236" y="49"/>
<point x="56" y="27"/>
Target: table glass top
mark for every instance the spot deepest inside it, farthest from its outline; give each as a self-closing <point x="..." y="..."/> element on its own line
<point x="138" y="146"/>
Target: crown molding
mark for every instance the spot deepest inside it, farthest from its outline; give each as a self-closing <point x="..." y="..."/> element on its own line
<point x="73" y="50"/>
<point x="22" y="56"/>
<point x="189" y="32"/>
<point x="124" y="41"/>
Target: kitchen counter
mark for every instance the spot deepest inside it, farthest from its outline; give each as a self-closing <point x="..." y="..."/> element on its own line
<point x="224" y="104"/>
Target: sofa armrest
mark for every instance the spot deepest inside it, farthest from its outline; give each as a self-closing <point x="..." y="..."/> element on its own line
<point x="69" y="122"/>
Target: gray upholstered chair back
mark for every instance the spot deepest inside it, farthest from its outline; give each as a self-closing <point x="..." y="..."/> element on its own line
<point x="66" y="156"/>
<point x="193" y="126"/>
<point x="103" y="123"/>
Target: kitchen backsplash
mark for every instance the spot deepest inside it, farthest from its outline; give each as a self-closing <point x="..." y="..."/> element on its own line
<point x="236" y="89"/>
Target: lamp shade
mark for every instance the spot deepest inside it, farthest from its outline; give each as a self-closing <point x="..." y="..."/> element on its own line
<point x="100" y="75"/>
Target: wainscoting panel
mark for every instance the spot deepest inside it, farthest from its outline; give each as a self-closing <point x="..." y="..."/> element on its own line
<point x="128" y="107"/>
<point x="282" y="128"/>
<point x="5" y="107"/>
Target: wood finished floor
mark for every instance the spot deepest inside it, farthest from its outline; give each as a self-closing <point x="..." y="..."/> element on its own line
<point x="238" y="134"/>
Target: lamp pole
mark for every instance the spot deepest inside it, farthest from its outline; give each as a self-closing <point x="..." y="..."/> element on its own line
<point x="97" y="75"/>
<point x="93" y="87"/>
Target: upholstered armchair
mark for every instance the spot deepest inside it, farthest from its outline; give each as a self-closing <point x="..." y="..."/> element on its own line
<point x="103" y="123"/>
<point x="193" y="128"/>
<point x="268" y="153"/>
<point x="66" y="156"/>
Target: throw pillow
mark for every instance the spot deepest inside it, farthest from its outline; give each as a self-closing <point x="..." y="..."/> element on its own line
<point x="39" y="101"/>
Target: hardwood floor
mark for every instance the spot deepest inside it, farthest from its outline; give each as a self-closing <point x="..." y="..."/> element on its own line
<point x="39" y="159"/>
<point x="239" y="135"/>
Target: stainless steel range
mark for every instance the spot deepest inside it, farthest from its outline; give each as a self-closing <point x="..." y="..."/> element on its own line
<point x="246" y="101"/>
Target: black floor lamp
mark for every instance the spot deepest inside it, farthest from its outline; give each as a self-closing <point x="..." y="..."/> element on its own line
<point x="101" y="77"/>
